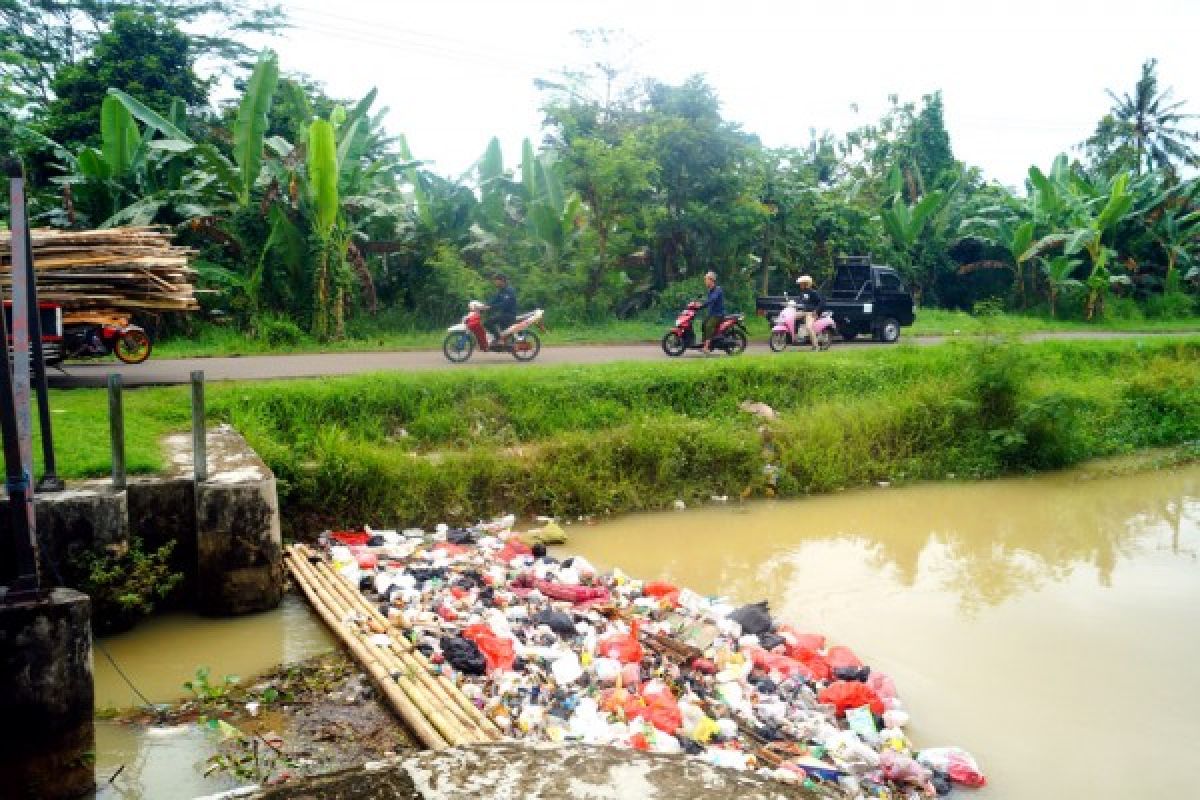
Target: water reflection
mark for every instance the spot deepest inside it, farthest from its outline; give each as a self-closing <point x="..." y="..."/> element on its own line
<point x="983" y="543"/>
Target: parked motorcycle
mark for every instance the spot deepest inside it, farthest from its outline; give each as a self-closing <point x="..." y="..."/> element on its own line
<point x="789" y="329"/>
<point x="129" y="343"/>
<point x="518" y="338"/>
<point x="730" y="335"/>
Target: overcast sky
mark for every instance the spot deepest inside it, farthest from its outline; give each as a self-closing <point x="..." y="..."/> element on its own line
<point x="1022" y="79"/>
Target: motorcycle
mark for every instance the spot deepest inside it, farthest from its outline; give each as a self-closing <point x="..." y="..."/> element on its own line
<point x="789" y="329"/>
<point x="518" y="338"/>
<point x="129" y="343"/>
<point x="730" y="335"/>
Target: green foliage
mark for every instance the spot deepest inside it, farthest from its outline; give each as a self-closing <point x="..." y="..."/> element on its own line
<point x="123" y="585"/>
<point x="251" y="124"/>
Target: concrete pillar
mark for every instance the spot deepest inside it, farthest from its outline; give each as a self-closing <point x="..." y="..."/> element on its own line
<point x="239" y="550"/>
<point x="88" y="517"/>
<point x="46" y="696"/>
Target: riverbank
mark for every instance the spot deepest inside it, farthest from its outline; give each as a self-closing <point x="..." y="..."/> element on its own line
<point x="629" y="437"/>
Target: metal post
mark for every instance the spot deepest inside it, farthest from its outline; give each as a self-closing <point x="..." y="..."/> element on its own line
<point x="50" y="481"/>
<point x="199" y="432"/>
<point x="116" y="429"/>
<point x="17" y="461"/>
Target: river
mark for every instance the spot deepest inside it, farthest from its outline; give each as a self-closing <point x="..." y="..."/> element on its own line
<point x="1046" y="624"/>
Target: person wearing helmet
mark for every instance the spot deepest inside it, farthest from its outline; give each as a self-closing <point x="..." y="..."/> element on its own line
<point x="502" y="308"/>
<point x="714" y="306"/>
<point x="810" y="303"/>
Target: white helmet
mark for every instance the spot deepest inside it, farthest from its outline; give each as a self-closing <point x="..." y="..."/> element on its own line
<point x="803" y="279"/>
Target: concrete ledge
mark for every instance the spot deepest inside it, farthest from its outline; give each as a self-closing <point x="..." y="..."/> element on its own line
<point x="512" y="770"/>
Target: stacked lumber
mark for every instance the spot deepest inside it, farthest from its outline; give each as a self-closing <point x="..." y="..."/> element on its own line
<point x="107" y="271"/>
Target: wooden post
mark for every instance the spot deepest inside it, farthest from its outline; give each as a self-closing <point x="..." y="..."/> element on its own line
<point x="199" y="432"/>
<point x="116" y="429"/>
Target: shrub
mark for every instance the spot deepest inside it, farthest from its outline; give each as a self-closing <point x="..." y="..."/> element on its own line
<point x="123" y="585"/>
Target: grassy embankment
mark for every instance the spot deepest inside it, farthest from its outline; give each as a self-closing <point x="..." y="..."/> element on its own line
<point x="419" y="448"/>
<point x="385" y="333"/>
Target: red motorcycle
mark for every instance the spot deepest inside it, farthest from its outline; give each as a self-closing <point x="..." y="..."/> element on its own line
<point x="730" y="335"/>
<point x="518" y="339"/>
<point x="100" y="337"/>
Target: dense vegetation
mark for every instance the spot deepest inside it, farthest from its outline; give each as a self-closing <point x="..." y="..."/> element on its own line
<point x="311" y="218"/>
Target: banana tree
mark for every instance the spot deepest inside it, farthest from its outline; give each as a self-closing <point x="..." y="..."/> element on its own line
<point x="1094" y="217"/>
<point x="1058" y="271"/>
<point x="552" y="220"/>
<point x="905" y="222"/>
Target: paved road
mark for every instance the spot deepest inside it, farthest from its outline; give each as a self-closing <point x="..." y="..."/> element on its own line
<point x="173" y="371"/>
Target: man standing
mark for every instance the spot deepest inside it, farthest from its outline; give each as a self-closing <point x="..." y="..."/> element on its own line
<point x="810" y="305"/>
<point x="502" y="308"/>
<point x="715" y="307"/>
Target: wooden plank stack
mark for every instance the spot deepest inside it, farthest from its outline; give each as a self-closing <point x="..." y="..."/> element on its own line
<point x="111" y="271"/>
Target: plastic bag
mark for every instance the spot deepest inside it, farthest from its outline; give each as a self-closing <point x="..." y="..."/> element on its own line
<point x="754" y="618"/>
<point x="624" y="647"/>
<point x="883" y="685"/>
<point x="841" y="657"/>
<point x="900" y="768"/>
<point x="955" y="762"/>
<point x="464" y="655"/>
<point x="660" y="709"/>
<point x="556" y="621"/>
<point x="659" y="589"/>
<point x="499" y="653"/>
<point x="851" y="694"/>
<point x="776" y="662"/>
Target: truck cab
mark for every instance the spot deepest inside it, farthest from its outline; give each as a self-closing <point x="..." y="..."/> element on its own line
<point x="863" y="297"/>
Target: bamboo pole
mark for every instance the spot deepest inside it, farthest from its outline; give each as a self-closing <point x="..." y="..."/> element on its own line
<point x="403" y="707"/>
<point x="454" y="728"/>
<point x="442" y="686"/>
<point x="449" y="731"/>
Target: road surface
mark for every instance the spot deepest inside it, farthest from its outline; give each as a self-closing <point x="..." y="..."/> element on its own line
<point x="159" y="372"/>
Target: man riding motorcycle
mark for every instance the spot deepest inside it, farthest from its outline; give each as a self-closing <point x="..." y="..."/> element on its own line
<point x="715" y="308"/>
<point x="502" y="308"/>
<point x="810" y="302"/>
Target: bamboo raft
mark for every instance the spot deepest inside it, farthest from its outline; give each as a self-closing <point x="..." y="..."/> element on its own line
<point x="432" y="707"/>
<point x="108" y="271"/>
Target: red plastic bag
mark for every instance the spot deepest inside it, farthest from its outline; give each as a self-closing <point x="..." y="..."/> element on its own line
<point x="366" y="560"/>
<point x="350" y="538"/>
<point x="659" y="709"/>
<point x="807" y="641"/>
<point x="851" y="694"/>
<point x="624" y="647"/>
<point x="497" y="651"/>
<point x="775" y="662"/>
<point x="659" y="589"/>
<point x="816" y="663"/>
<point x="512" y="548"/>
<point x="839" y="657"/>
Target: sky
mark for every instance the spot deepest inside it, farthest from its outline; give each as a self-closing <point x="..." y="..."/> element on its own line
<point x="1021" y="80"/>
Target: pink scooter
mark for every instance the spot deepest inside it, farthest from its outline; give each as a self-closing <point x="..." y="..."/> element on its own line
<point x="789" y="329"/>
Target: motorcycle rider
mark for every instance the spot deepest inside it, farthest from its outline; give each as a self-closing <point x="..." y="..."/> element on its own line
<point x="715" y="308"/>
<point x="502" y="308"/>
<point x="810" y="302"/>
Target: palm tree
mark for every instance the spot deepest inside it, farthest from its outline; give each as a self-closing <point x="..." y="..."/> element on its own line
<point x="1154" y="124"/>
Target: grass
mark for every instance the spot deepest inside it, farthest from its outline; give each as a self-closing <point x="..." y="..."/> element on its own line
<point x="404" y="448"/>
<point x="390" y="333"/>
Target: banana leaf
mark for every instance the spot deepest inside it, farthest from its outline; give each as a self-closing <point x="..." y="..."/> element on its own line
<point x="251" y="124"/>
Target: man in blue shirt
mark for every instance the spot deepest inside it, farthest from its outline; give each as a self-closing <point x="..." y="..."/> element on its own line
<point x="715" y="307"/>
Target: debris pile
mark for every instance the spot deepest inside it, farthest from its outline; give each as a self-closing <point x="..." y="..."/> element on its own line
<point x="112" y="270"/>
<point x="556" y="651"/>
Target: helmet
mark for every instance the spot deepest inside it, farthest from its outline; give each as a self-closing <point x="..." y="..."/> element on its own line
<point x="803" y="279"/>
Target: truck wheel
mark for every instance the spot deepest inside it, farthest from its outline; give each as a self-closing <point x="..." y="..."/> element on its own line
<point x="888" y="331"/>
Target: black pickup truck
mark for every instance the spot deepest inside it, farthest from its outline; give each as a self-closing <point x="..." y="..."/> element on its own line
<point x="864" y="298"/>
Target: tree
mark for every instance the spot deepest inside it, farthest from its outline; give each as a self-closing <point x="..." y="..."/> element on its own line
<point x="40" y="38"/>
<point x="1153" y="126"/>
<point x="140" y="55"/>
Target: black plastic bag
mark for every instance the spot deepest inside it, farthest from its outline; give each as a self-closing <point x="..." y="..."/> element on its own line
<point x="463" y="655"/>
<point x="556" y="621"/>
<point x="754" y="618"/>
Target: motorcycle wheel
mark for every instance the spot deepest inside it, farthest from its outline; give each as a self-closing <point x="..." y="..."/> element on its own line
<point x="737" y="342"/>
<point x="458" y="347"/>
<point x="526" y="346"/>
<point x="824" y="340"/>
<point x="779" y="341"/>
<point x="132" y="347"/>
<point x="672" y="344"/>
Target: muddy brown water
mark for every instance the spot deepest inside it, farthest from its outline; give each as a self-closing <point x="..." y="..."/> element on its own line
<point x="158" y="656"/>
<point x="1048" y="625"/>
